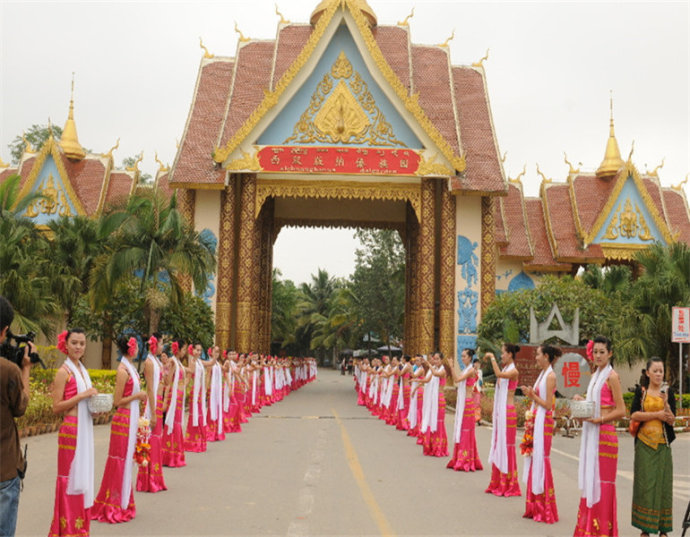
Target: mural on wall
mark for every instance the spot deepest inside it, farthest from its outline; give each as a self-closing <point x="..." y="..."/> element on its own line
<point x="467" y="297"/>
<point x="521" y="281"/>
<point x="207" y="294"/>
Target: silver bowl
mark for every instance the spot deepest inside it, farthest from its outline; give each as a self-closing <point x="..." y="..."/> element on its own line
<point x="101" y="403"/>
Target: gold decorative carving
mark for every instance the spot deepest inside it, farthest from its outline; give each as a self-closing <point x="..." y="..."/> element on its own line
<point x="338" y="190"/>
<point x="447" y="274"/>
<point x="343" y="113"/>
<point x="28" y="148"/>
<point x="161" y="167"/>
<point x="488" y="268"/>
<point x="225" y="279"/>
<point x="135" y="167"/>
<point x="246" y="262"/>
<point x="406" y="21"/>
<point x="517" y="180"/>
<point x="628" y="222"/>
<point x="543" y="177"/>
<point x="338" y="224"/>
<point x="207" y="54"/>
<point x="480" y="63"/>
<point x="239" y="32"/>
<point x="571" y="169"/>
<point x="427" y="267"/>
<point x="109" y="154"/>
<point x="248" y="162"/>
<point x="447" y="41"/>
<point x="283" y="20"/>
<point x="428" y="167"/>
<point x="401" y="91"/>
<point x="679" y="186"/>
<point x="655" y="171"/>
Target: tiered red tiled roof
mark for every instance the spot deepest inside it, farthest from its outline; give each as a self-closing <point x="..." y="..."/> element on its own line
<point x="678" y="212"/>
<point x="119" y="188"/>
<point x="591" y="194"/>
<point x="87" y="177"/>
<point x="227" y="94"/>
<point x="543" y="254"/>
<point x="511" y="212"/>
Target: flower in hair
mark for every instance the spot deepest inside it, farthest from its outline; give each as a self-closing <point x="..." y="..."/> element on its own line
<point x="210" y="351"/>
<point x="153" y="344"/>
<point x="190" y="349"/>
<point x="175" y="347"/>
<point x="590" y="350"/>
<point x="132" y="346"/>
<point x="225" y="354"/>
<point x="62" y="342"/>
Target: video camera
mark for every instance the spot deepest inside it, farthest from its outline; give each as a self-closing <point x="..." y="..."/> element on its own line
<point x="15" y="353"/>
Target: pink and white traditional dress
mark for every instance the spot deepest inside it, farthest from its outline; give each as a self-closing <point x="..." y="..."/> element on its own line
<point x="415" y="414"/>
<point x="115" y="500"/>
<point x="195" y="435"/>
<point x="435" y="440"/>
<point x="150" y="477"/>
<point x="232" y="411"/>
<point x="214" y="431"/>
<point x="74" y="490"/>
<point x="504" y="475"/>
<point x="465" y="455"/>
<point x="403" y="403"/>
<point x="173" y="437"/>
<point x="540" y="497"/>
<point x="597" y="513"/>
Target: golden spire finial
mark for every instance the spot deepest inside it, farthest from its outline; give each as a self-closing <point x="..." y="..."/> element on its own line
<point x="135" y="167"/>
<point x="480" y="63"/>
<point x="161" y="167"/>
<point x="612" y="158"/>
<point x="109" y="154"/>
<point x="543" y="177"/>
<point x="242" y="38"/>
<point x="406" y="21"/>
<point x="519" y="176"/>
<point x="283" y="20"/>
<point x="571" y="170"/>
<point x="505" y="156"/>
<point x="445" y="43"/>
<point x="207" y="54"/>
<point x="70" y="141"/>
<point x="677" y="187"/>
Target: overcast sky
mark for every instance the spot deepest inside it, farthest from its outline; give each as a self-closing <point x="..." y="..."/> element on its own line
<point x="550" y="70"/>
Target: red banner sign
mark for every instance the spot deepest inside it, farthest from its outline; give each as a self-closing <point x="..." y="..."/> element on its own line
<point x="339" y="160"/>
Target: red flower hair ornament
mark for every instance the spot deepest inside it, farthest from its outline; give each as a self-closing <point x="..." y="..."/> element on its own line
<point x="175" y="347"/>
<point x="590" y="350"/>
<point x="190" y="349"/>
<point x="225" y="354"/>
<point x="132" y="346"/>
<point x="153" y="344"/>
<point x="62" y="342"/>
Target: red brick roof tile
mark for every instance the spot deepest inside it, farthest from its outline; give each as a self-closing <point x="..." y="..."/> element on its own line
<point x="119" y="187"/>
<point x="518" y="245"/>
<point x="679" y="214"/>
<point x="87" y="177"/>
<point x="543" y="255"/>
<point x="394" y="42"/>
<point x="290" y="42"/>
<point x="591" y="194"/>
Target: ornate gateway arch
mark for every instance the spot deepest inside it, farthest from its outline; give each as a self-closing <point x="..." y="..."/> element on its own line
<point x="342" y="122"/>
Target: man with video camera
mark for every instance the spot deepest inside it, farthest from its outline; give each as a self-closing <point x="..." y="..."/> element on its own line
<point x="14" y="398"/>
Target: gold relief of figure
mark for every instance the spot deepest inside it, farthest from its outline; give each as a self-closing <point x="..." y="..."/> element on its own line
<point x="341" y="117"/>
<point x="628" y="219"/>
<point x="644" y="234"/>
<point x="628" y="223"/>
<point x="49" y="203"/>
<point x="612" y="230"/>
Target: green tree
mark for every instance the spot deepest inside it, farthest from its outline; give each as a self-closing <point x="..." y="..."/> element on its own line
<point x="378" y="283"/>
<point x="36" y="135"/>
<point x="284" y="300"/>
<point x="190" y="319"/>
<point x="12" y="205"/>
<point x="312" y="309"/>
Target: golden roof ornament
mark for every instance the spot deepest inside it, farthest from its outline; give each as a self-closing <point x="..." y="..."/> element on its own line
<point x="109" y="154"/>
<point x="447" y="41"/>
<point x="518" y="179"/>
<point x="543" y="177"/>
<point x="612" y="158"/>
<point x="677" y="187"/>
<point x="655" y="171"/>
<point x="70" y="142"/>
<point x="161" y="167"/>
<point x="283" y="20"/>
<point x="406" y="21"/>
<point x="480" y="63"/>
<point x="362" y="5"/>
<point x="571" y="169"/>
<point x="243" y="39"/>
<point x="28" y="148"/>
<point x="135" y="167"/>
<point x="207" y="54"/>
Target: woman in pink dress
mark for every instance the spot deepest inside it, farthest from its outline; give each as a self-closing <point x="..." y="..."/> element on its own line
<point x="173" y="437"/>
<point x="215" y="431"/>
<point x="150" y="476"/>
<point x="504" y="476"/>
<point x="599" y="448"/>
<point x="414" y="415"/>
<point x="232" y="417"/>
<point x="115" y="500"/>
<point x="74" y="490"/>
<point x="435" y="440"/>
<point x="401" y="422"/>
<point x="465" y="456"/>
<point x="195" y="435"/>
<point x="540" y="501"/>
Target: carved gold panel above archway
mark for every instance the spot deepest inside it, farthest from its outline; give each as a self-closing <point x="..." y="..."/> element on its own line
<point x="266" y="188"/>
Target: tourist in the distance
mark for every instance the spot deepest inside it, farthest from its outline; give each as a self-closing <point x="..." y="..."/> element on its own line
<point x="465" y="455"/>
<point x="654" y="406"/>
<point x="150" y="476"/>
<point x="540" y="497"/>
<point x="74" y="487"/>
<point x="599" y="448"/>
<point x="114" y="502"/>
<point x="504" y="476"/>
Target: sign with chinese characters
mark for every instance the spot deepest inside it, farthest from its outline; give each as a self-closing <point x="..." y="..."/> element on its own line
<point x="680" y="331"/>
<point x="339" y="160"/>
<point x="572" y="374"/>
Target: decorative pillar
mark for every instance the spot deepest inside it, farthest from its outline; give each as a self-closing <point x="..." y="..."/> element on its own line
<point x="270" y="224"/>
<point x="413" y="285"/>
<point x="254" y="339"/>
<point x="185" y="205"/>
<point x="226" y="266"/>
<point x="488" y="285"/>
<point x="245" y="270"/>
<point x="426" y="264"/>
<point x="447" y="274"/>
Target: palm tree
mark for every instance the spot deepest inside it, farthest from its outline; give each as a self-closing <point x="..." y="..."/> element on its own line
<point x="313" y="306"/>
<point x="158" y="246"/>
<point x="338" y="328"/>
<point x="12" y="205"/>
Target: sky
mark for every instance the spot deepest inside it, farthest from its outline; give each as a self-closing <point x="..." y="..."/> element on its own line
<point x="551" y="69"/>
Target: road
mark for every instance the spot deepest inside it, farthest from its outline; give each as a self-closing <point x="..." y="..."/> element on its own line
<point x="318" y="464"/>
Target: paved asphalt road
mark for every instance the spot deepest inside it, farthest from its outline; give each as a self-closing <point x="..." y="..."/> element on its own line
<point x="318" y="464"/>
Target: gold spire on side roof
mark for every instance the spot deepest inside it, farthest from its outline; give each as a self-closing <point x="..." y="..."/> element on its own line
<point x="70" y="142"/>
<point x="612" y="158"/>
<point x="361" y="4"/>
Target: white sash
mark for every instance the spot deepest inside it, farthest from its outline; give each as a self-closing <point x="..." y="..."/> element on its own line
<point x="588" y="478"/>
<point x="498" y="454"/>
<point x="156" y="383"/>
<point x="131" y="440"/>
<point x="170" y="416"/>
<point x="199" y="386"/>
<point x="536" y="460"/>
<point x="227" y="388"/>
<point x="430" y="404"/>
<point x="412" y="412"/>
<point x="401" y="401"/>
<point x="216" y="398"/>
<point x="254" y="375"/>
<point x="460" y="410"/>
<point x="80" y="479"/>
